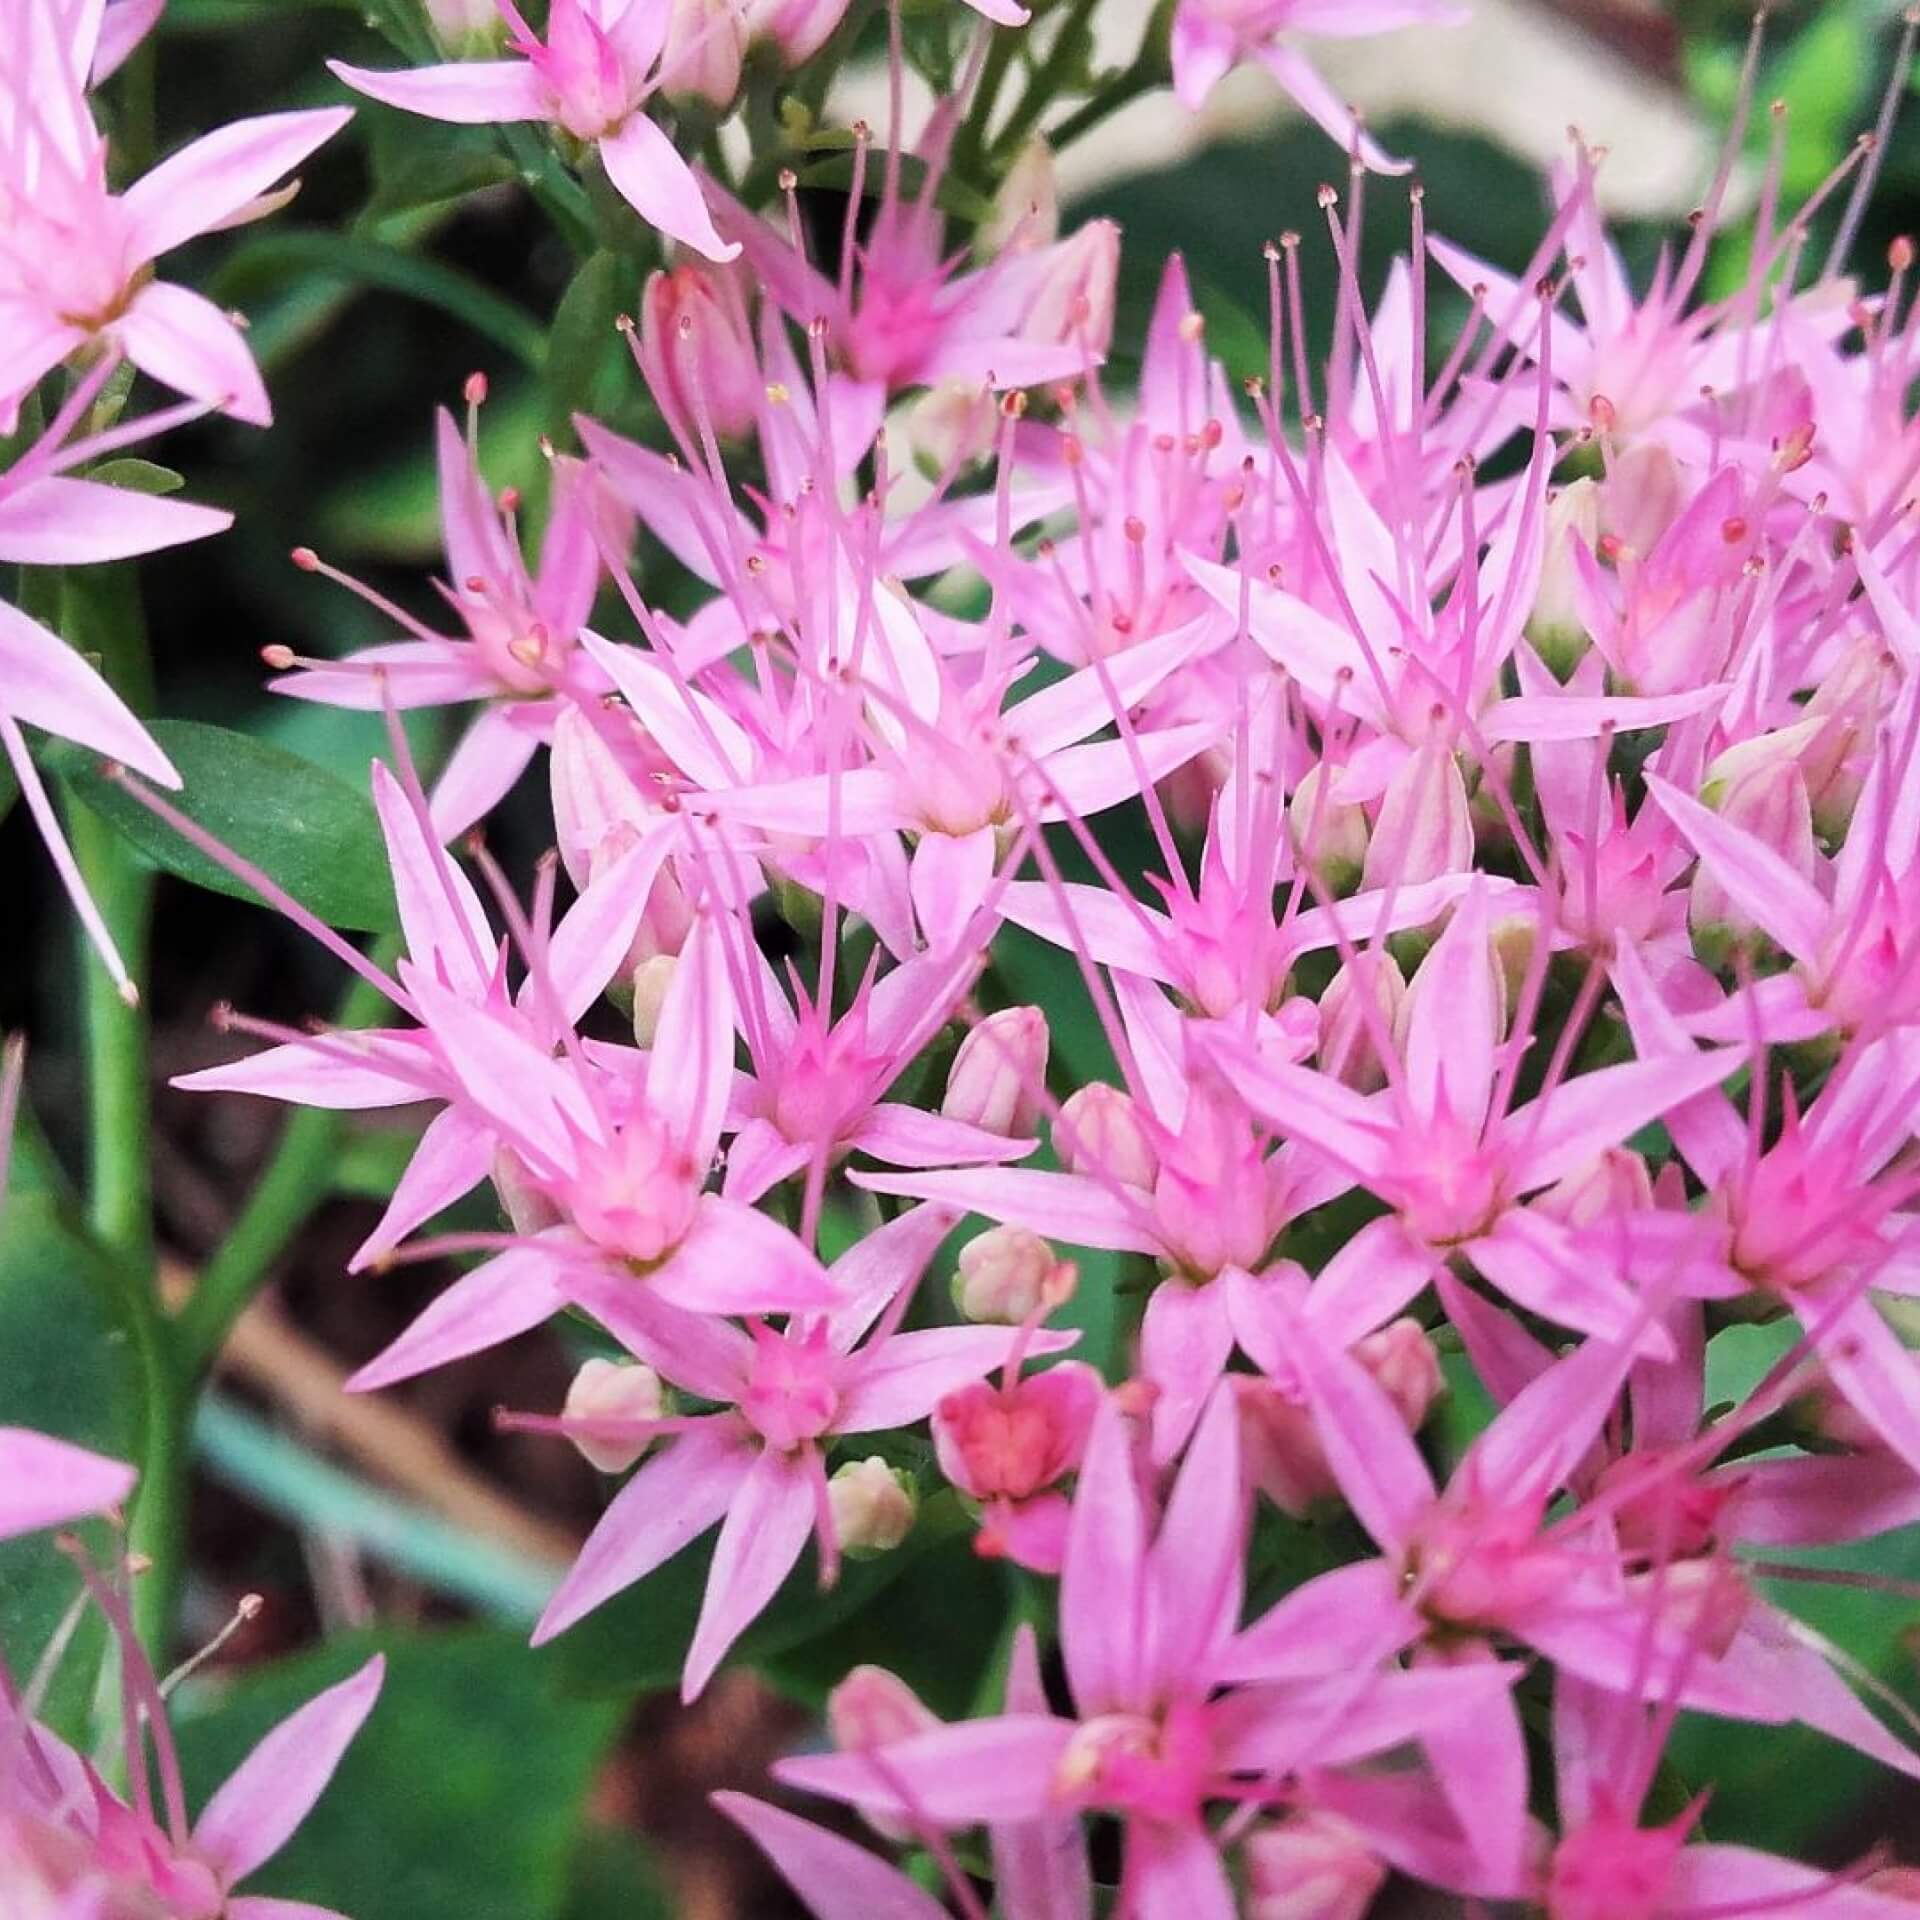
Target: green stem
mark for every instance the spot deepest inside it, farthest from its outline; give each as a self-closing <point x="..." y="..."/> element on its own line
<point x="1044" y="85"/>
<point x="971" y="146"/>
<point x="1152" y="67"/>
<point x="297" y="1179"/>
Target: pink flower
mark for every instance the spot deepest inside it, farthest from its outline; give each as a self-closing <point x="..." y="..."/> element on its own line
<point x="1209" y="36"/>
<point x="759" y="1466"/>
<point x="521" y="651"/>
<point x="592" y="77"/>
<point x="1147" y="1619"/>
<point x="74" y="258"/>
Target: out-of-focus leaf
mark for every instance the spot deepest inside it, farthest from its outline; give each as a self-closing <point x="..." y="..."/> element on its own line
<point x="461" y="1798"/>
<point x="836" y="171"/>
<point x="614" y="1878"/>
<point x="584" y="349"/>
<point x="137" y="476"/>
<point x="310" y="832"/>
<point x="936" y="1627"/>
<point x="637" y="1642"/>
<point x="284" y="1477"/>
<point x="420" y="163"/>
<point x="66" y="1368"/>
<point x="265" y="265"/>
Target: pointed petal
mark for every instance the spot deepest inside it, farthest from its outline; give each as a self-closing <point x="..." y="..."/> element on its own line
<point x="1453" y="1014"/>
<point x="1543" y="1434"/>
<point x="1185" y="1339"/>
<point x="212" y="178"/>
<point x="1879" y="1376"/>
<point x="445" y="925"/>
<point x="46" y="1482"/>
<point x="690" y="1073"/>
<point x="949" y="878"/>
<point x="46" y="684"/>
<point x="1194" y="1567"/>
<point x="598" y="932"/>
<point x="704" y="1354"/>
<point x="1758" y="880"/>
<point x="998" y="1769"/>
<point x="1058" y="1206"/>
<point x="906" y="1377"/>
<point x="1561" y="1131"/>
<point x="879" y="1264"/>
<point x="1377" y="1274"/>
<point x="184" y="341"/>
<point x="767" y="1524"/>
<point x="1711" y="1878"/>
<point x="1104" y="1601"/>
<point x="316" y="1076"/>
<point x="271" y="1791"/>
<point x="1174" y="1872"/>
<point x="1368" y="1447"/>
<point x="58" y="522"/>
<point x="906" y="1136"/>
<point x="1480" y="1759"/>
<point x="1543" y="1266"/>
<point x="467" y="92"/>
<point x="1345" y="1621"/>
<point x="649" y="174"/>
<point x="835" y="1879"/>
<point x="454" y="1155"/>
<point x="738" y="1261"/>
<point x="674" y="1498"/>
<point x="1307" y="1106"/>
<point x="480" y="772"/>
<point x="509" y="1295"/>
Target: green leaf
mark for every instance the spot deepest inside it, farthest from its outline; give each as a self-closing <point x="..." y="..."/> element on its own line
<point x="307" y="830"/>
<point x="265" y="264"/>
<point x="419" y="164"/>
<point x="584" y="350"/>
<point x="637" y="1642"/>
<point x="614" y="1878"/>
<point x="66" y="1368"/>
<point x="461" y="1798"/>
<point x="137" y="476"/>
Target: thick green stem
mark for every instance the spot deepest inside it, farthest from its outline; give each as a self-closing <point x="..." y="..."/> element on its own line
<point x="1152" y="67"/>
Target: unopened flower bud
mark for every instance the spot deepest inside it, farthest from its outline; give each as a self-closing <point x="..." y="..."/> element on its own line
<point x="1100" y="1132"/>
<point x="1405" y="1366"/>
<point x="705" y="45"/>
<point x="696" y="350"/>
<point x="524" y="1203"/>
<point x="466" y="29"/>
<point x="1641" y="496"/>
<point x="799" y="28"/>
<point x="1310" y="1866"/>
<point x="998" y="1072"/>
<point x="614" y="1390"/>
<point x="1349" y="1049"/>
<point x="1769" y="800"/>
<point x="651" y="978"/>
<point x="1425" y="828"/>
<point x="1007" y="1275"/>
<point x="952" y="425"/>
<point x="1555" y="626"/>
<point x="1613" y="1183"/>
<point x="1026" y="210"/>
<point x="1072" y="300"/>
<point x="873" y="1506"/>
<point x="1329" y="835"/>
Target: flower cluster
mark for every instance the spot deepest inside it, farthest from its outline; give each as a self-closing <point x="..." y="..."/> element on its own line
<point x="1477" y="806"/>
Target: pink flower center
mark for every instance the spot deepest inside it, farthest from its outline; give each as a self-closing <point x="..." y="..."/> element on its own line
<point x="1134" y="1764"/>
<point x="791" y="1397"/>
<point x="1612" y="1870"/>
<point x="1449" y="1184"/>
<point x="636" y="1196"/>
<point x="1482" y="1563"/>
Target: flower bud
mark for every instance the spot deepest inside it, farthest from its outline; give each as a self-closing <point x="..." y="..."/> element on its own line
<point x="525" y="1204"/>
<point x="1555" y="626"/>
<point x="651" y="979"/>
<point x="1100" y="1132"/>
<point x="1405" y="1366"/>
<point x="952" y="425"/>
<point x="1071" y="303"/>
<point x="1849" y="701"/>
<point x="1348" y="1049"/>
<point x="997" y="1074"/>
<point x="705" y="45"/>
<point x="467" y="29"/>
<point x="614" y="1390"/>
<point x="1026" y="210"/>
<point x="1425" y="828"/>
<point x="1330" y="836"/>
<point x="1641" y="496"/>
<point x="1007" y="1275"/>
<point x="873" y="1506"/>
<point x="696" y="350"/>
<point x="1310" y="1866"/>
<point x="798" y="28"/>
<point x="872" y="1709"/>
<point x="1614" y="1182"/>
<point x="1769" y="800"/>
